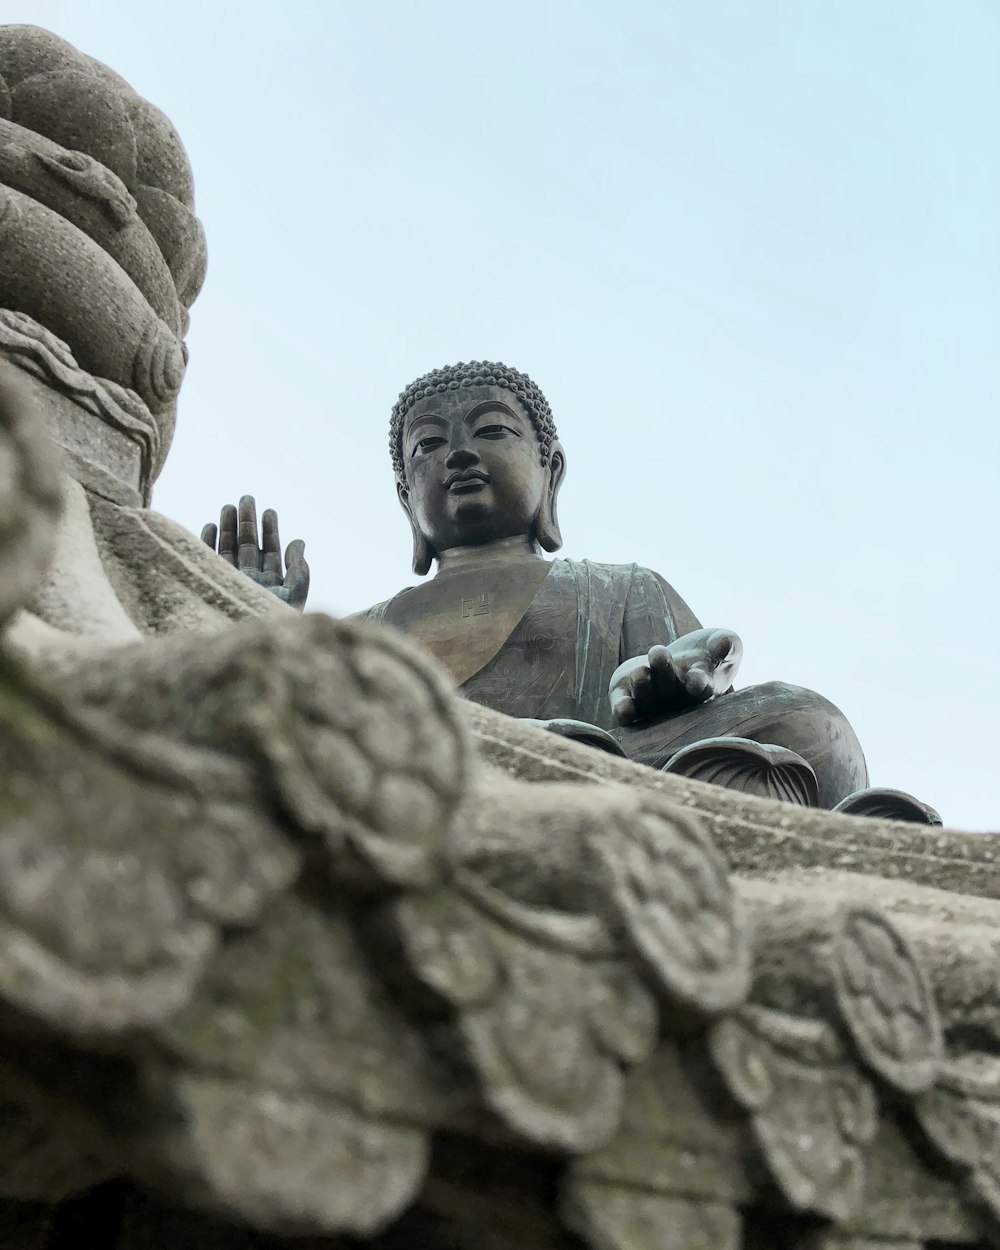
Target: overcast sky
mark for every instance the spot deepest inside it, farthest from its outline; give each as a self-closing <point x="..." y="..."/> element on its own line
<point x="751" y="253"/>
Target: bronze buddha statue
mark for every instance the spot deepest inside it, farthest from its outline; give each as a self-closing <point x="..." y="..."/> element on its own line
<point x="607" y="653"/>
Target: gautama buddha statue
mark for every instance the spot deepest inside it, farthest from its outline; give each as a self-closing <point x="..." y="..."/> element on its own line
<point x="607" y="653"/>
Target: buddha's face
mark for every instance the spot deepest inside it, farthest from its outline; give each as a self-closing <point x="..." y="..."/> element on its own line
<point x="474" y="471"/>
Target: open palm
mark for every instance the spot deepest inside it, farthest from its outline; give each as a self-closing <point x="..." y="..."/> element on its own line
<point x="236" y="540"/>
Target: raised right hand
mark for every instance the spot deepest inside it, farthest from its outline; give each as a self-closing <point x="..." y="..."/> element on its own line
<point x="235" y="539"/>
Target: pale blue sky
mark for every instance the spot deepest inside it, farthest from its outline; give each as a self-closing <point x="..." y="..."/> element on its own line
<point x="751" y="252"/>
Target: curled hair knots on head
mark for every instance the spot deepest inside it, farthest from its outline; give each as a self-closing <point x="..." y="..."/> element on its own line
<point x="473" y="373"/>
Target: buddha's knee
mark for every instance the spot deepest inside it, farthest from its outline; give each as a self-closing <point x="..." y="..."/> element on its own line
<point x="804" y="722"/>
<point x="774" y="713"/>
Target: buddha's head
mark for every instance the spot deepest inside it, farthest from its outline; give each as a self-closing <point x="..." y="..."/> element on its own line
<point x="476" y="458"/>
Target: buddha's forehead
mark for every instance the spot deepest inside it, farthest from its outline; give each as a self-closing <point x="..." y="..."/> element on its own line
<point x="464" y="403"/>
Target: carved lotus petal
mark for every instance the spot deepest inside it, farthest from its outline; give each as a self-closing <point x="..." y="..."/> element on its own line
<point x="812" y="1174"/>
<point x="41" y="983"/>
<point x="94" y="930"/>
<point x="975" y="1075"/>
<point x="855" y="1110"/>
<point x="762" y="769"/>
<point x="950" y="1122"/>
<point x="672" y="893"/>
<point x="448" y="948"/>
<point x="542" y="1067"/>
<point x="113" y="910"/>
<point x="886" y="1002"/>
<point x="377" y="764"/>
<point x="350" y="773"/>
<point x="285" y="1160"/>
<point x="231" y="875"/>
<point x="810" y="1110"/>
<point x="626" y="1217"/>
<point x="743" y="1063"/>
<point x="293" y="1004"/>
<point x="960" y="1117"/>
<point x="622" y="1014"/>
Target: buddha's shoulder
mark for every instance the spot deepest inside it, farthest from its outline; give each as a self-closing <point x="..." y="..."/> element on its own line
<point x="595" y="570"/>
<point x="375" y="613"/>
<point x="614" y="578"/>
<point x="628" y="582"/>
<point x="379" y="611"/>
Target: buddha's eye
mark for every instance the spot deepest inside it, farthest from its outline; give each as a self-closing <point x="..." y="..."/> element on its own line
<point x="427" y="444"/>
<point x="496" y="431"/>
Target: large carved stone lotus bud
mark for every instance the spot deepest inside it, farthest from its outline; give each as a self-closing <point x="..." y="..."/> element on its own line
<point x="100" y="250"/>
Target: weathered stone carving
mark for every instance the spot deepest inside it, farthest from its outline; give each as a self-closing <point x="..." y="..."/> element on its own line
<point x="886" y="1003"/>
<point x="129" y="438"/>
<point x="29" y="504"/>
<point x="293" y="942"/>
<point x="812" y="1113"/>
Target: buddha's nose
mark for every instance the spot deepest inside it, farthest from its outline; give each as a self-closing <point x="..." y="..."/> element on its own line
<point x="461" y="458"/>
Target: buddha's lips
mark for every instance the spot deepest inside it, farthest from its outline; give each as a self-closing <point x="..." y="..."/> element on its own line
<point x="472" y="477"/>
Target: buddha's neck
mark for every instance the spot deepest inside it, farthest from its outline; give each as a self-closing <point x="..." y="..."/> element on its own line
<point x="504" y="550"/>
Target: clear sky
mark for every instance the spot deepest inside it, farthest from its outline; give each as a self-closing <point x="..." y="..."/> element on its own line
<point x="751" y="252"/>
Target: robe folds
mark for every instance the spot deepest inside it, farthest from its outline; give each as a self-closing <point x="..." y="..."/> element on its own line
<point x="584" y="620"/>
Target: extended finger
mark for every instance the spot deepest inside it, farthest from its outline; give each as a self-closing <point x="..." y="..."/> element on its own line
<point x="664" y="673"/>
<point x="698" y="683"/>
<point x="297" y="575"/>
<point x="210" y="535"/>
<point x="249" y="554"/>
<point x="641" y="682"/>
<point x="622" y="706"/>
<point x="295" y="554"/>
<point x="722" y="644"/>
<point x="227" y="534"/>
<point x="271" y="543"/>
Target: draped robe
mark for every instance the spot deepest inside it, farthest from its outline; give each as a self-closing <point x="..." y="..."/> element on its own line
<point x="584" y="620"/>
<point x="557" y="658"/>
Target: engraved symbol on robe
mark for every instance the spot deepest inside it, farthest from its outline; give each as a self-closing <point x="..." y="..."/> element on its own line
<point x="481" y="605"/>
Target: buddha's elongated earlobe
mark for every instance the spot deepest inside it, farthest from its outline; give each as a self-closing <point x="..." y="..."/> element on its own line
<point x="423" y="553"/>
<point x="547" y="522"/>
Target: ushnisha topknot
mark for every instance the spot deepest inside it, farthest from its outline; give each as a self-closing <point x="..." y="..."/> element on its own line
<point x="473" y="373"/>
